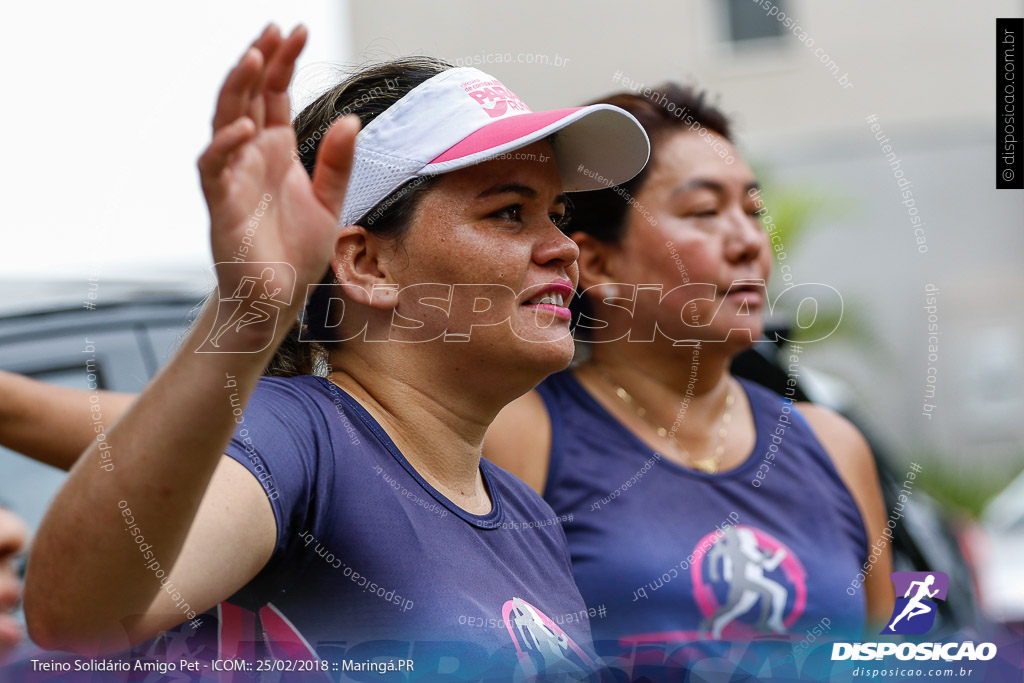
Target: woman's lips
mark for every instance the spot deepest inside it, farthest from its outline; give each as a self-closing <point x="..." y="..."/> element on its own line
<point x="750" y="297"/>
<point x="552" y="297"/>
<point x="560" y="312"/>
<point x="748" y="291"/>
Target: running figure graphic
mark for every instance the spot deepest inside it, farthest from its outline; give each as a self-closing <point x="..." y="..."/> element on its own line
<point x="535" y="633"/>
<point x="915" y="606"/>
<point x="249" y="311"/>
<point x="744" y="566"/>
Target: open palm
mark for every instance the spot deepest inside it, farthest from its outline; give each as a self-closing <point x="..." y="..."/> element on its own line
<point x="257" y="194"/>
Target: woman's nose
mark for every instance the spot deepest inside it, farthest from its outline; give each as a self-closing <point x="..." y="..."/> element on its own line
<point x="556" y="246"/>
<point x="745" y="237"/>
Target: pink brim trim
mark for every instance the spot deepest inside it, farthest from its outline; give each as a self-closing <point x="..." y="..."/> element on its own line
<point x="500" y="133"/>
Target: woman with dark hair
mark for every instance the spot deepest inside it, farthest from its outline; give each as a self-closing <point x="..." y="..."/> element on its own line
<point x="353" y="507"/>
<point x="702" y="506"/>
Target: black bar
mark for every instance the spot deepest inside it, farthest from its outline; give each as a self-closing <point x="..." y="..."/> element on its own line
<point x="1009" y="112"/>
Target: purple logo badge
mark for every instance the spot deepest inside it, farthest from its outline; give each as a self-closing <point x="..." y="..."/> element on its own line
<point x="916" y="593"/>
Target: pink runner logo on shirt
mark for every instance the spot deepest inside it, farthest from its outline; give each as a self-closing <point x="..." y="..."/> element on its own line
<point x="542" y="647"/>
<point x="494" y="98"/>
<point x="744" y="558"/>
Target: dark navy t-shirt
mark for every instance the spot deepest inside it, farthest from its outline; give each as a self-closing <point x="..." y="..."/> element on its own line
<point x="372" y="561"/>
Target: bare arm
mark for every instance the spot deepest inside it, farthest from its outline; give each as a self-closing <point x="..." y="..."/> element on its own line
<point x="168" y="449"/>
<point x="856" y="466"/>
<point x="519" y="440"/>
<point x="51" y="423"/>
<point x="88" y="588"/>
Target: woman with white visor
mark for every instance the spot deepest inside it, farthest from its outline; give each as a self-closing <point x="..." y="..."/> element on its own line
<point x="354" y="507"/>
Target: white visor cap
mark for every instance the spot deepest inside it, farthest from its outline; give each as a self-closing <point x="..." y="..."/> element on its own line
<point x="463" y="117"/>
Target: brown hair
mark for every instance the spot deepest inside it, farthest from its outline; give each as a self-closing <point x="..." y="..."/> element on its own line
<point x="367" y="93"/>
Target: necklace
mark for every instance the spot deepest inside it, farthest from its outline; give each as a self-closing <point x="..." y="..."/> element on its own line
<point x="707" y="465"/>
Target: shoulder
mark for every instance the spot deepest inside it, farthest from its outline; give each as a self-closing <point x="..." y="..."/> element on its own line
<point x="302" y="390"/>
<point x="838" y="435"/>
<point x="283" y="438"/>
<point x="297" y="403"/>
<point x="845" y="445"/>
<point x="285" y="425"/>
<point x="519" y="440"/>
<point x="852" y="457"/>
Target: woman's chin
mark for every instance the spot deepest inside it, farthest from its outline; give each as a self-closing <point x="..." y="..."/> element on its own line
<point x="545" y="351"/>
<point x="742" y="337"/>
<point x="522" y="354"/>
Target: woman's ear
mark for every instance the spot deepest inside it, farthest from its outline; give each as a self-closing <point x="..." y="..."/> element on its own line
<point x="596" y="262"/>
<point x="359" y="262"/>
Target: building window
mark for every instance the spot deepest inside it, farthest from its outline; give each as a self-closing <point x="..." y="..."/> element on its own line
<point x="746" y="23"/>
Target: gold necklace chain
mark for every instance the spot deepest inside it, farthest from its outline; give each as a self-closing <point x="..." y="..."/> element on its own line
<point x="708" y="465"/>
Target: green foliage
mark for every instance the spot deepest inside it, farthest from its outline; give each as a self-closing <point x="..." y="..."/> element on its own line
<point x="794" y="209"/>
<point x="964" y="491"/>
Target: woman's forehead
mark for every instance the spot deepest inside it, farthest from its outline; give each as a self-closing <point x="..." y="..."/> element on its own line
<point x="532" y="167"/>
<point x="687" y="155"/>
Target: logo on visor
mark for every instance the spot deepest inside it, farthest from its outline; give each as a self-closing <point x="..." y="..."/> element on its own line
<point x="494" y="98"/>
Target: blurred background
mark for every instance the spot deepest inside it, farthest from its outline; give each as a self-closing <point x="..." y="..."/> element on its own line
<point x="105" y="236"/>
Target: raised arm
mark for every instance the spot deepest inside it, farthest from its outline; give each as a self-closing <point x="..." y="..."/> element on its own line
<point x="51" y="423"/>
<point x="88" y="587"/>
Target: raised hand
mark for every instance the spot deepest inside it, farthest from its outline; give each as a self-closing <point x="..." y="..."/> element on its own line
<point x="251" y="180"/>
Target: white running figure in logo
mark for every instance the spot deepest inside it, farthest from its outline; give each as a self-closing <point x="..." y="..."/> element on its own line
<point x="915" y="606"/>
<point x="249" y="312"/>
<point x="537" y="636"/>
<point x="743" y="566"/>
